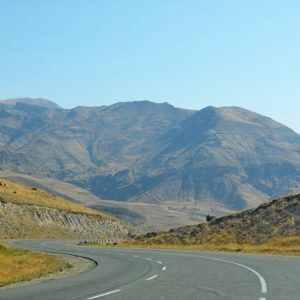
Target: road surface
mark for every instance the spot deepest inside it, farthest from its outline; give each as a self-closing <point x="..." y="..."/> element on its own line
<point x="138" y="274"/>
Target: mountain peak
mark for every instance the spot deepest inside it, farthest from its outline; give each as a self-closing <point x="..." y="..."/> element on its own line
<point x="31" y="101"/>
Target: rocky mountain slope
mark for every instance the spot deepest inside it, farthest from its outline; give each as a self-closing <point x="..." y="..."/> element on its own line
<point x="148" y="152"/>
<point x="229" y="155"/>
<point x="279" y="218"/>
<point x="27" y="212"/>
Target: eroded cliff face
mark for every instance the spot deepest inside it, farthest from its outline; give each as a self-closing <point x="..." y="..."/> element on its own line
<point x="31" y="221"/>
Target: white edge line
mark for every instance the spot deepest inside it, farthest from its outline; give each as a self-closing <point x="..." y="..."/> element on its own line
<point x="105" y="294"/>
<point x="260" y="277"/>
<point x="262" y="280"/>
<point x="150" y="278"/>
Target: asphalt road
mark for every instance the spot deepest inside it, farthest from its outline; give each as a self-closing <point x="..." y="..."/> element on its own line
<point x="138" y="274"/>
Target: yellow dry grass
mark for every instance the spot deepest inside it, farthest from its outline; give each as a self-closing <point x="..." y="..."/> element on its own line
<point x="284" y="245"/>
<point x="20" y="194"/>
<point x="21" y="265"/>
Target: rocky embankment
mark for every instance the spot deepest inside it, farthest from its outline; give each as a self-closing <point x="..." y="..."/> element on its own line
<point x="276" y="219"/>
<point x="28" y="212"/>
<point x="31" y="221"/>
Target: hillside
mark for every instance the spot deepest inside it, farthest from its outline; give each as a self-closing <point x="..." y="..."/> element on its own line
<point x="273" y="221"/>
<point x="147" y="216"/>
<point x="27" y="212"/>
<point x="153" y="153"/>
<point x="228" y="155"/>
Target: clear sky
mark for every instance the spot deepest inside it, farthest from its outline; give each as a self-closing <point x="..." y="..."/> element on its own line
<point x="189" y="53"/>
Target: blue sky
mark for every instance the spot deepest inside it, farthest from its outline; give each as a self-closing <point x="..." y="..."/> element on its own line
<point x="189" y="53"/>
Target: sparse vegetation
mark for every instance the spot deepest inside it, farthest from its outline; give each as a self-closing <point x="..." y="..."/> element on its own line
<point x="273" y="227"/>
<point x="20" y="194"/>
<point x="22" y="265"/>
<point x="34" y="213"/>
<point x="283" y="246"/>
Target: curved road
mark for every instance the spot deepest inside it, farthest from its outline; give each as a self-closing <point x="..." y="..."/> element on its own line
<point x="138" y="274"/>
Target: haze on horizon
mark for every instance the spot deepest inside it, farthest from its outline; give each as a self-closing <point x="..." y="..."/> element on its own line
<point x="191" y="54"/>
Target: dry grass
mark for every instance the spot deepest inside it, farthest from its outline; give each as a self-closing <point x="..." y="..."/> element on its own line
<point x="20" y="194"/>
<point x="284" y="246"/>
<point x="21" y="265"/>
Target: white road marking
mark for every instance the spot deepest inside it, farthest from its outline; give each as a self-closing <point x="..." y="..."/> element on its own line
<point x="150" y="278"/>
<point x="121" y="254"/>
<point x="260" y="277"/>
<point x="159" y="262"/>
<point x="263" y="284"/>
<point x="105" y="294"/>
<point x="135" y="256"/>
<point x="164" y="268"/>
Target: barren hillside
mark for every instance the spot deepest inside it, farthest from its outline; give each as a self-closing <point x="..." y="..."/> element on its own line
<point x="27" y="212"/>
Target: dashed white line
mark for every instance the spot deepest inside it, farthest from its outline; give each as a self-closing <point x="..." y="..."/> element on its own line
<point x="105" y="294"/>
<point x="136" y="256"/>
<point x="121" y="254"/>
<point x="150" y="278"/>
<point x="148" y="258"/>
<point x="159" y="262"/>
<point x="263" y="298"/>
<point x="164" y="268"/>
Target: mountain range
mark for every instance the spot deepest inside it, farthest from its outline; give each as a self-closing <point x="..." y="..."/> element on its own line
<point x="149" y="152"/>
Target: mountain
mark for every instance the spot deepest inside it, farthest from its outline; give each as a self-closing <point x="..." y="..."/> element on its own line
<point x="74" y="144"/>
<point x="275" y="223"/>
<point x="41" y="102"/>
<point x="156" y="153"/>
<point x="228" y="154"/>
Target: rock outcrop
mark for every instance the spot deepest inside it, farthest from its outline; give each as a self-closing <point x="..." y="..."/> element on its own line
<point x="31" y="221"/>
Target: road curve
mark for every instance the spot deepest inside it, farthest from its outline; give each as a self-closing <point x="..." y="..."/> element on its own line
<point x="138" y="274"/>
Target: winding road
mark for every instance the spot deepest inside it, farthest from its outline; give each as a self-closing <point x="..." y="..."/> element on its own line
<point x="138" y="274"/>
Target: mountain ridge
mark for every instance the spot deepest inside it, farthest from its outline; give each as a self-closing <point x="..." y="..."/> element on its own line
<point x="149" y="152"/>
<point x="31" y="101"/>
